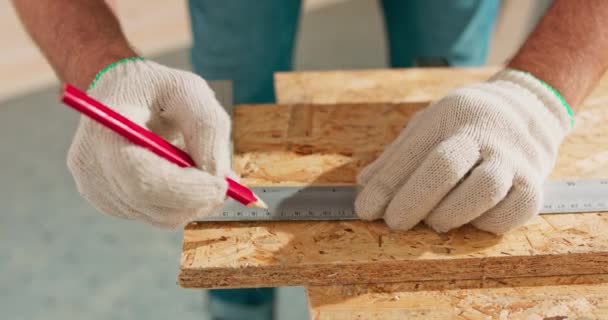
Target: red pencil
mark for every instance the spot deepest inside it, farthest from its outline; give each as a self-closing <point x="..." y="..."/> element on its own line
<point x="147" y="139"/>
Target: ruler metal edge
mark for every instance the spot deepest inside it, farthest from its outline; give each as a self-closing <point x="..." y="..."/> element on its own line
<point x="337" y="202"/>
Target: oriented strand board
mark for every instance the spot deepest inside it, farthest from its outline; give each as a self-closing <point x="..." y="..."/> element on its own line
<point x="364" y="86"/>
<point x="575" y="297"/>
<point x="514" y="298"/>
<point x="308" y="144"/>
<point x="322" y="253"/>
<point x="320" y="144"/>
<point x="585" y="156"/>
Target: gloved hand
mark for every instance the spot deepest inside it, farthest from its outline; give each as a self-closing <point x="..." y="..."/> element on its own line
<point x="128" y="181"/>
<point x="480" y="155"/>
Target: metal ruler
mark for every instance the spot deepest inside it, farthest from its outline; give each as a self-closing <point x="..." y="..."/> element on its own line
<point x="336" y="203"/>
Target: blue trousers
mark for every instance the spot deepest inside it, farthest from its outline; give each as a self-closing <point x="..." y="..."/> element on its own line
<point x="247" y="41"/>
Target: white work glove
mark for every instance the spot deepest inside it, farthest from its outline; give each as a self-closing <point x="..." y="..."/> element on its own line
<point x="480" y="155"/>
<point x="128" y="181"/>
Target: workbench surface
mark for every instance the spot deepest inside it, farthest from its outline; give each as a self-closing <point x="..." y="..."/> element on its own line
<point x="333" y="124"/>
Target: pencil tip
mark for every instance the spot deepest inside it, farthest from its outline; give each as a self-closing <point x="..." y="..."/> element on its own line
<point x="258" y="204"/>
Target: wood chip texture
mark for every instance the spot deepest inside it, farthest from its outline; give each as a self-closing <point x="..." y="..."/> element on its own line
<point x="319" y="143"/>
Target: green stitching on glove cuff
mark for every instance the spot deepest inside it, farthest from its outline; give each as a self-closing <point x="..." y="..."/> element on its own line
<point x="110" y="66"/>
<point x="557" y="94"/>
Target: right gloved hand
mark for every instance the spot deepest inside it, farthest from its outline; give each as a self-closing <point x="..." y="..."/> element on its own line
<point x="128" y="181"/>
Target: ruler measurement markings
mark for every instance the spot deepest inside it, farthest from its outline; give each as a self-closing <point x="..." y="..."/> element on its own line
<point x="336" y="202"/>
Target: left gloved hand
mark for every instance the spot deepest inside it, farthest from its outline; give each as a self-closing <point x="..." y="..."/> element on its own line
<point x="479" y="155"/>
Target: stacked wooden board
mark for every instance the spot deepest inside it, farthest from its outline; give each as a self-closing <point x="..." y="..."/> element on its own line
<point x="329" y="125"/>
<point x="547" y="298"/>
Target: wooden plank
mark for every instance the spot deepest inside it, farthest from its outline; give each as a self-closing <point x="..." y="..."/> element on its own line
<point x="575" y="297"/>
<point x="544" y="300"/>
<point x="320" y="144"/>
<point x="255" y="254"/>
<point x="307" y="144"/>
<point x="309" y="253"/>
<point x="382" y="85"/>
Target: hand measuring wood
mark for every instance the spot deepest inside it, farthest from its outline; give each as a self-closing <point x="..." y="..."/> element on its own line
<point x="296" y="150"/>
<point x="336" y="203"/>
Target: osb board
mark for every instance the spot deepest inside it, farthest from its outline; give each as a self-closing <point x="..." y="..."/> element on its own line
<point x="575" y="297"/>
<point x="304" y="144"/>
<point x="382" y="85"/>
<point x="320" y="144"/>
<point x="297" y="150"/>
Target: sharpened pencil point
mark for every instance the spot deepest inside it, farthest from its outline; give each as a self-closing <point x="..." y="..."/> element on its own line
<point x="258" y="204"/>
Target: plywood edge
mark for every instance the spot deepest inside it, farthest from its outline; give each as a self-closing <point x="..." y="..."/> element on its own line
<point x="318" y="274"/>
<point x="259" y="254"/>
